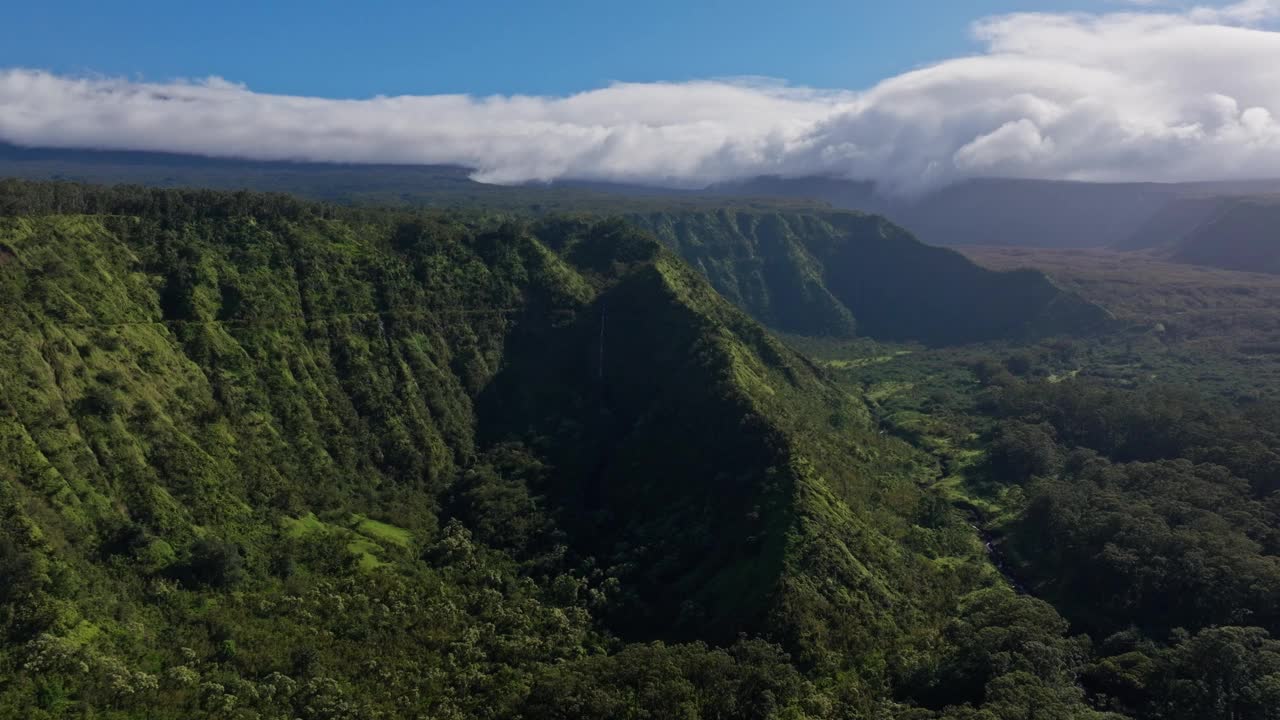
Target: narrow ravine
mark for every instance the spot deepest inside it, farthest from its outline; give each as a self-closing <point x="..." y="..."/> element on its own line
<point x="997" y="558"/>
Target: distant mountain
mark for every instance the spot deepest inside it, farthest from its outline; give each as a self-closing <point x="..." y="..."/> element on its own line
<point x="976" y="212"/>
<point x="1173" y="222"/>
<point x="1033" y="213"/>
<point x="1232" y="233"/>
<point x="321" y="181"/>
<point x="421" y="186"/>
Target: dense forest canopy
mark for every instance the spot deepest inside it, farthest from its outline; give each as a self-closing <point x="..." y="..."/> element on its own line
<point x="797" y="270"/>
<point x="263" y="457"/>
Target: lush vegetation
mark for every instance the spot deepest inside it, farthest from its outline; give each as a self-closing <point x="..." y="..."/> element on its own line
<point x="1180" y="324"/>
<point x="1149" y="518"/>
<point x="832" y="274"/>
<point x="801" y="270"/>
<point x="266" y="458"/>
<point x="1156" y="506"/>
<point x="1128" y="479"/>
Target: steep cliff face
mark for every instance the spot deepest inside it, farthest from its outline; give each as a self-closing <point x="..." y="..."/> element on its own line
<point x="1240" y="235"/>
<point x="839" y="274"/>
<point x="1227" y="232"/>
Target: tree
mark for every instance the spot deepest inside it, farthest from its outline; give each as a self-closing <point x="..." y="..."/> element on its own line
<point x="215" y="563"/>
<point x="1020" y="451"/>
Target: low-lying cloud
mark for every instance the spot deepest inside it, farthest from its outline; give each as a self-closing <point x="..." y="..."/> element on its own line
<point x="1139" y="95"/>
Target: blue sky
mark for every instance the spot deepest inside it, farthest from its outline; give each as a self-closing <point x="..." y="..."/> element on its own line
<point x="904" y="92"/>
<point x="359" y="49"/>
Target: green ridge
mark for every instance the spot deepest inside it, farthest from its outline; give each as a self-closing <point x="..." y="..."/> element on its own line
<point x="837" y="274"/>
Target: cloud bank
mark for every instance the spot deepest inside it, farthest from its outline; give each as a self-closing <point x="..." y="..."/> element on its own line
<point x="1146" y="94"/>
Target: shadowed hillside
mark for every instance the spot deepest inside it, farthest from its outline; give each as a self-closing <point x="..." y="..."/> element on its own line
<point x="837" y="274"/>
<point x="1232" y="233"/>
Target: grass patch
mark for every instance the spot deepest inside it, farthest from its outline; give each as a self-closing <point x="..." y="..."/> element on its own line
<point x="305" y="525"/>
<point x="957" y="492"/>
<point x="363" y="536"/>
<point x="382" y="532"/>
<point x="367" y="552"/>
<point x="854" y="363"/>
<point x="885" y="390"/>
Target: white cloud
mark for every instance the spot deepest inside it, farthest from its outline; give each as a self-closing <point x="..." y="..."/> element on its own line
<point x="1136" y="95"/>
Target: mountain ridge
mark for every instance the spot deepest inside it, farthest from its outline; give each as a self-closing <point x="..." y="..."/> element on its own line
<point x="1230" y="233"/>
<point x="808" y="271"/>
<point x="838" y="273"/>
<point x="234" y="421"/>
